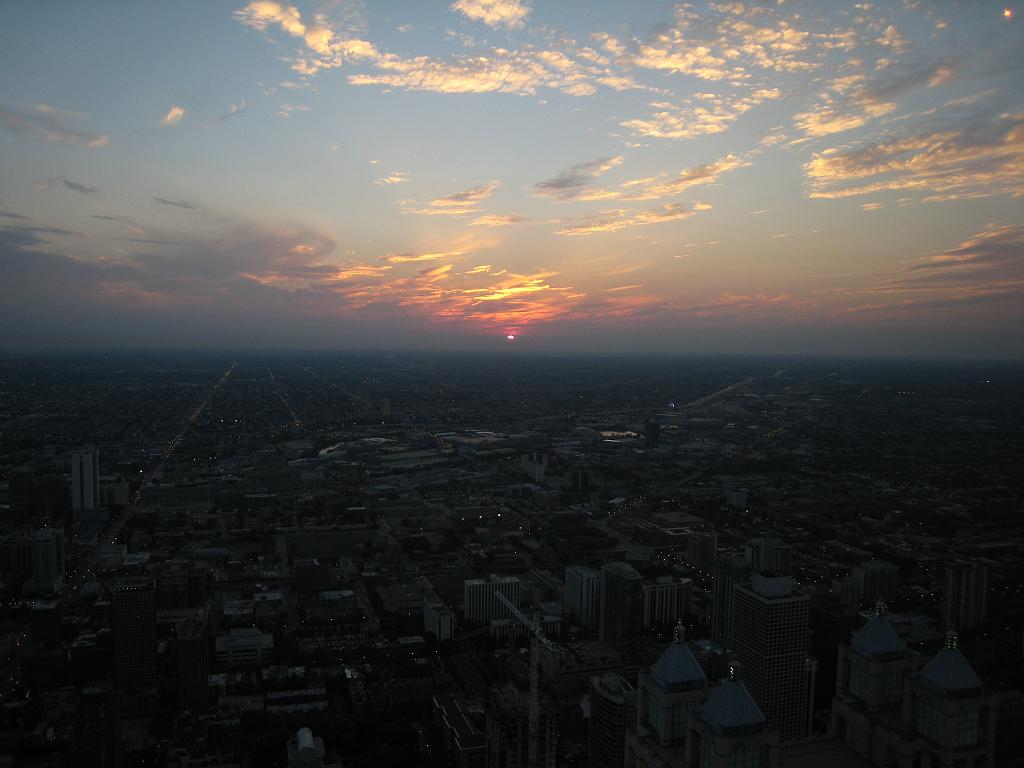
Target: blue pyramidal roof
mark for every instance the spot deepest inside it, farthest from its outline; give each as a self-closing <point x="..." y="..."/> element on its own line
<point x="951" y="671"/>
<point x="676" y="666"/>
<point x="731" y="707"/>
<point x="878" y="638"/>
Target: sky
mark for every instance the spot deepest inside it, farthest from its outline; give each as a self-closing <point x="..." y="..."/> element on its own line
<point x="547" y="175"/>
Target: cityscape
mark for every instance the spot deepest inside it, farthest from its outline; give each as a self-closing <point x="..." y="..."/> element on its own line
<point x="511" y="384"/>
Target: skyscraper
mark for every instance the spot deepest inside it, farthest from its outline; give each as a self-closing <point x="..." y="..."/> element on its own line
<point x="133" y="626"/>
<point x="583" y="594"/>
<point x="85" y="479"/>
<point x="621" y="609"/>
<point x="193" y="652"/>
<point x="48" y="560"/>
<point x="966" y="595"/>
<point x="771" y="641"/>
<point x="731" y="569"/>
<point x="770" y="556"/>
<point x="612" y="717"/>
<point x="479" y="602"/>
<point x="665" y="601"/>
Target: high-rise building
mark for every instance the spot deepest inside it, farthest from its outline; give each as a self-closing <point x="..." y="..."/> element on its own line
<point x="583" y="594"/>
<point x="831" y="623"/>
<point x="193" y="652"/>
<point x="508" y="729"/>
<point x="22" y="484"/>
<point x="45" y="623"/>
<point x="665" y="601"/>
<point x="701" y="549"/>
<point x="97" y="728"/>
<point x="878" y="579"/>
<point x="85" y="479"/>
<point x="888" y="708"/>
<point x="612" y="719"/>
<point x="966" y="595"/>
<point x="133" y="627"/>
<point x="733" y="730"/>
<point x="771" y="626"/>
<point x="770" y="556"/>
<point x="621" y="609"/>
<point x="438" y="620"/>
<point x="479" y="602"/>
<point x="669" y="700"/>
<point x="731" y="570"/>
<point x="48" y="560"/>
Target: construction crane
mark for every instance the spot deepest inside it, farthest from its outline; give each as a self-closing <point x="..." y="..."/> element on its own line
<point x="537" y="640"/>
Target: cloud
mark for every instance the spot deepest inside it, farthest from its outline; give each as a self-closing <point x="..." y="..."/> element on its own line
<point x="456" y="204"/>
<point x="233" y="111"/>
<point x="494" y="13"/>
<point x="46" y="125"/>
<point x="497" y="220"/>
<point x="661" y="186"/>
<point x="74" y="186"/>
<point x="575" y="181"/>
<point x="177" y="203"/>
<point x="173" y="116"/>
<point x="982" y="273"/>
<point x="410" y="258"/>
<point x="851" y="101"/>
<point x="980" y="157"/>
<point x="610" y="221"/>
<point x="398" y="177"/>
<point x="704" y="114"/>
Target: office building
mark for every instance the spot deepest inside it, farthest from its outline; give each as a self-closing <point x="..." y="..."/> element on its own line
<point x="193" y="653"/>
<point x="878" y="580"/>
<point x="701" y="549"/>
<point x="612" y="719"/>
<point x="966" y="595"/>
<point x="438" y="620"/>
<point x="731" y="570"/>
<point x="733" y="731"/>
<point x="669" y="700"/>
<point x="583" y="595"/>
<point x="133" y="629"/>
<point x="508" y="730"/>
<point x="47" y="553"/>
<point x="770" y="556"/>
<point x="891" y="711"/>
<point x="665" y="601"/>
<point x="479" y="602"/>
<point x="771" y="626"/>
<point x="85" y="479"/>
<point x="621" y="609"/>
<point x="465" y="743"/>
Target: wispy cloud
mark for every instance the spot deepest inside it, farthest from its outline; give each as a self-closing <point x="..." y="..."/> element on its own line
<point x="705" y="113"/>
<point x="576" y="180"/>
<point x="233" y="111"/>
<point x="455" y="204"/>
<point x="497" y="220"/>
<point x="177" y="203"/>
<point x="46" y="124"/>
<point x="398" y="177"/>
<point x="612" y="220"/>
<point x="979" y="157"/>
<point x="74" y="186"/>
<point x="173" y="116"/>
<point x="494" y="13"/>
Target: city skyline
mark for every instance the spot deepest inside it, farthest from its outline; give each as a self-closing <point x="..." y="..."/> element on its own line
<point x="785" y="177"/>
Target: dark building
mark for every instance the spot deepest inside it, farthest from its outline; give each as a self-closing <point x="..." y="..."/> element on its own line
<point x="133" y="624"/>
<point x="193" y="651"/>
<point x="731" y="570"/>
<point x="621" y="609"/>
<point x="612" y="718"/>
